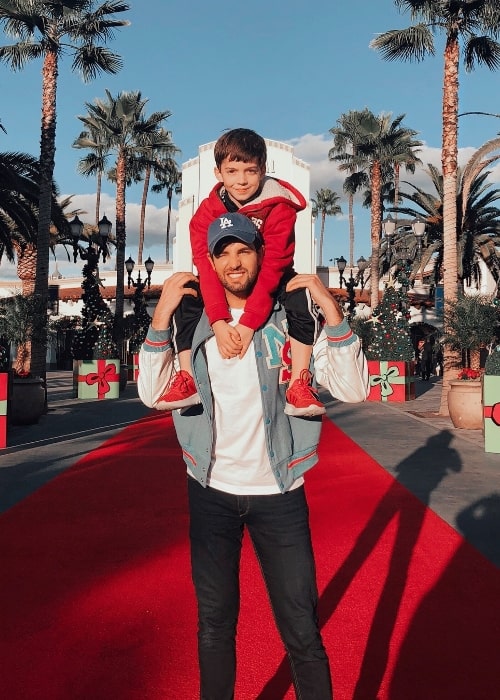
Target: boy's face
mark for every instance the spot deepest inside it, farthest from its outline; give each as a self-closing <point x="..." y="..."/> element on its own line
<point x="241" y="180"/>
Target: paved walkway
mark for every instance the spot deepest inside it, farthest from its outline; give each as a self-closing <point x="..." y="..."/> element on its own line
<point x="445" y="467"/>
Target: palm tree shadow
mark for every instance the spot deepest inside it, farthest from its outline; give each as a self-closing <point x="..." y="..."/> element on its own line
<point x="420" y="473"/>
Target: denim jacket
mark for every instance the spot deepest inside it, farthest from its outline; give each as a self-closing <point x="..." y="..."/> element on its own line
<point x="338" y="365"/>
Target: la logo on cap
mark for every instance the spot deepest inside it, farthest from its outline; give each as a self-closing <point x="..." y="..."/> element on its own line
<point x="225" y="223"/>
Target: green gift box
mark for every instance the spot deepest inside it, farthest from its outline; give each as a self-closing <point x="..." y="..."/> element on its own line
<point x="491" y="412"/>
<point x="99" y="379"/>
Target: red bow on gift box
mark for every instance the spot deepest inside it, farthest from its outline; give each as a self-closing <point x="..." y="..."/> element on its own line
<point x="101" y="379"/>
<point x="493" y="412"/>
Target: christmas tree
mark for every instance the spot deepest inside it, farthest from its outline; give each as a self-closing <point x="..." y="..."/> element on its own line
<point x="140" y="321"/>
<point x="390" y="338"/>
<point x="94" y="339"/>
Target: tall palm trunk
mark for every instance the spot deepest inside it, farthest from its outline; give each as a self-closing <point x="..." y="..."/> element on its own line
<point x="145" y="190"/>
<point x="26" y="272"/>
<point x="351" y="229"/>
<point x="449" y="165"/>
<point x="322" y="236"/>
<point x="98" y="198"/>
<point x="375" y="229"/>
<point x="47" y="162"/>
<point x="121" y="178"/>
<point x="396" y="191"/>
<point x="170" y="192"/>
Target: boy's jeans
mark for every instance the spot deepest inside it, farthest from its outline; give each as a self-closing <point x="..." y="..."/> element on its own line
<point x="279" y="528"/>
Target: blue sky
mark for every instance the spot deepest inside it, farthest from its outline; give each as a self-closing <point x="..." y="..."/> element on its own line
<point x="287" y="70"/>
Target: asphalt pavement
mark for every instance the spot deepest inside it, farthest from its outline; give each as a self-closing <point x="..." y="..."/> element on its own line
<point x="445" y="467"/>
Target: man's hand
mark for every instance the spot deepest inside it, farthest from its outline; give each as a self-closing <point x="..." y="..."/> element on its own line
<point x="246" y="335"/>
<point x="171" y="295"/>
<point x="320" y="295"/>
<point x="228" y="339"/>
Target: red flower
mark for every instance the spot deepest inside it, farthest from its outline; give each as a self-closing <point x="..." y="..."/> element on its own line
<point x="467" y="374"/>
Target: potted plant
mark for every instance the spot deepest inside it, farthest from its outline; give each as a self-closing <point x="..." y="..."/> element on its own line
<point x="470" y="324"/>
<point x="491" y="401"/>
<point x="20" y="325"/>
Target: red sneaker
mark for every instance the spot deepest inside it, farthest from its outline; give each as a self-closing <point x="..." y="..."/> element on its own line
<point x="180" y="393"/>
<point x="302" y="399"/>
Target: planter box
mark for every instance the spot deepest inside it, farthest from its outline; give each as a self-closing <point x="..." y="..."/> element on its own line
<point x="3" y="408"/>
<point x="491" y="411"/>
<point x="97" y="379"/>
<point x="391" y="380"/>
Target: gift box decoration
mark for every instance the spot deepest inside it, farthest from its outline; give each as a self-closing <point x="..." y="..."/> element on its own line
<point x="491" y="411"/>
<point x="133" y="366"/>
<point x="99" y="379"/>
<point x="3" y="408"/>
<point x="391" y="380"/>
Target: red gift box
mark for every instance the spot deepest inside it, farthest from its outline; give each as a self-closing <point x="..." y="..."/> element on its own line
<point x="133" y="366"/>
<point x="391" y="380"/>
<point x="3" y="408"/>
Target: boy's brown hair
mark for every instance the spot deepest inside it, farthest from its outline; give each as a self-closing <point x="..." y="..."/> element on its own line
<point x="242" y="145"/>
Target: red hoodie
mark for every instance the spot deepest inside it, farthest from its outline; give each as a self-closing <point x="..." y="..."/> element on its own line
<point x="273" y="212"/>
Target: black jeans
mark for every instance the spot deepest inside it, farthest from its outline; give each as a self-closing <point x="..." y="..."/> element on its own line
<point x="279" y="528"/>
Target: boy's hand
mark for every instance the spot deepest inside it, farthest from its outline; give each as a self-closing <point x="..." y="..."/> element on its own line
<point x="171" y="295"/>
<point x="228" y="339"/>
<point x="246" y="335"/>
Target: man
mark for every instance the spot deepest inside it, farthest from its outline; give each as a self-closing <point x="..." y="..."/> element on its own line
<point x="246" y="458"/>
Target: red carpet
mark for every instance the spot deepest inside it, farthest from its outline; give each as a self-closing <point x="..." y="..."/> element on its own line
<point x="96" y="601"/>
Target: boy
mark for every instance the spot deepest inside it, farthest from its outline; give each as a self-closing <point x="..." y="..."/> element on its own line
<point x="272" y="205"/>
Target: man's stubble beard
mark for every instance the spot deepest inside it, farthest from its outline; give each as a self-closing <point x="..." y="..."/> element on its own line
<point x="241" y="290"/>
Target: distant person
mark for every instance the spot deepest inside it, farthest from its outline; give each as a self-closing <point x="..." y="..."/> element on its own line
<point x="426" y="357"/>
<point x="272" y="205"/>
<point x="246" y="458"/>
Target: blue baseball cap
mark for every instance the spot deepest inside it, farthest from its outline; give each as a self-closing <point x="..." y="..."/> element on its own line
<point x="232" y="225"/>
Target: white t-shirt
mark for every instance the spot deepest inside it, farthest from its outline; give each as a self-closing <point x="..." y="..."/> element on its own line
<point x="240" y="462"/>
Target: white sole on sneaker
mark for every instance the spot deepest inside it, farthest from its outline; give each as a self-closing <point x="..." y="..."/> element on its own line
<point x="172" y="405"/>
<point x="305" y="411"/>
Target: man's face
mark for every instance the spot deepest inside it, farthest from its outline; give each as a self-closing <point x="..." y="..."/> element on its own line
<point x="237" y="267"/>
<point x="241" y="180"/>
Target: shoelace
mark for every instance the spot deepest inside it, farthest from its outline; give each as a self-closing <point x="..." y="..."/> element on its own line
<point x="304" y="384"/>
<point x="180" y="381"/>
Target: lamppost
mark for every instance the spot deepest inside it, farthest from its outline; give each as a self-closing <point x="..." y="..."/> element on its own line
<point x="341" y="265"/>
<point x="418" y="228"/>
<point x="353" y="282"/>
<point x="100" y="246"/>
<point x="389" y="230"/>
<point x="139" y="284"/>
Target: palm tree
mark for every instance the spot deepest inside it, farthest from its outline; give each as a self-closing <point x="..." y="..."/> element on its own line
<point x="129" y="135"/>
<point x="473" y="27"/>
<point x="326" y="203"/>
<point x="95" y="163"/>
<point x="48" y="30"/>
<point x="159" y="152"/>
<point x="478" y="227"/>
<point x="346" y="136"/>
<point x="168" y="178"/>
<point x="19" y="197"/>
<point x="384" y="141"/>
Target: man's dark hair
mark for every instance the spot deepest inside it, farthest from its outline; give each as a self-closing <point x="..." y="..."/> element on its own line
<point x="242" y="145"/>
<point x="219" y="247"/>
